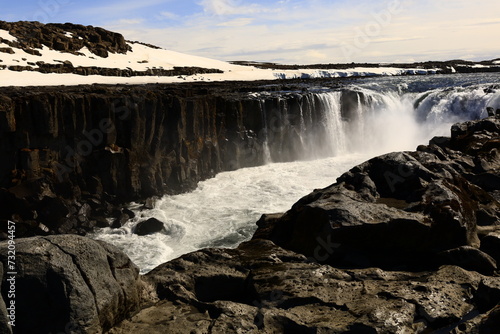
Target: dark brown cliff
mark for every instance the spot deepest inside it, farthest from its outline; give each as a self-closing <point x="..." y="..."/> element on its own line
<point x="70" y="155"/>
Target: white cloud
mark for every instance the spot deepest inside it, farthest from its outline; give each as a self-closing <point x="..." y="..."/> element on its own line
<point x="169" y="15"/>
<point x="240" y="22"/>
<point x="229" y="7"/>
<point x="129" y="21"/>
<point x="297" y="31"/>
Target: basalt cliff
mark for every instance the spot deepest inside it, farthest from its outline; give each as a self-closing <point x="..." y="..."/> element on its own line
<point x="406" y="242"/>
<point x="73" y="156"/>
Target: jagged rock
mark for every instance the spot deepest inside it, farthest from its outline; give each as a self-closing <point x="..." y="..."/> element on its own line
<point x="150" y="226"/>
<point x="32" y="35"/>
<point x="260" y="287"/>
<point x="399" y="209"/>
<point x="72" y="282"/>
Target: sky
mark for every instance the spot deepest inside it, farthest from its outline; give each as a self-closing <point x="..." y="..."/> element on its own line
<point x="289" y="31"/>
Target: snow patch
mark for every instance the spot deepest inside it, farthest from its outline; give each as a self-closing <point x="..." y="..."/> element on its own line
<point x="6" y="35"/>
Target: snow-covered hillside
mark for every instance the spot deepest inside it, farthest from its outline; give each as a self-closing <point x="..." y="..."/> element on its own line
<point x="72" y="60"/>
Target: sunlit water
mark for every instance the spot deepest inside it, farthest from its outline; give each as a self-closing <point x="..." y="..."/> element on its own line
<point x="401" y="114"/>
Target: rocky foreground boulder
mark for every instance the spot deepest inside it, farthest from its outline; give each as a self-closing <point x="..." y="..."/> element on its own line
<point x="68" y="284"/>
<point x="403" y="243"/>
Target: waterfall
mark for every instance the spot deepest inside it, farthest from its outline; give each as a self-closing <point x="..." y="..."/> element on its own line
<point x="335" y="138"/>
<point x="366" y="120"/>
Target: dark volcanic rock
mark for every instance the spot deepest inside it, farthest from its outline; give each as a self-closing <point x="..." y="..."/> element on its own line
<point x="106" y="146"/>
<point x="71" y="282"/>
<point x="33" y="35"/>
<point x="402" y="208"/>
<point x="262" y="288"/>
<point x="150" y="226"/>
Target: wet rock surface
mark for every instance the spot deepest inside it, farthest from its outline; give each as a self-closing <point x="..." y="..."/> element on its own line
<point x="150" y="226"/>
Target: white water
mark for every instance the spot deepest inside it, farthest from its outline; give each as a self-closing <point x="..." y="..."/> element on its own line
<point x="222" y="212"/>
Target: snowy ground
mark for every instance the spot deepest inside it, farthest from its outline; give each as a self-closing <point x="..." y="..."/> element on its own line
<point x="143" y="57"/>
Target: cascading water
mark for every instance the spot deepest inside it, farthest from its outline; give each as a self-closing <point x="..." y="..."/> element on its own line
<point x="334" y="141"/>
<point x="327" y="133"/>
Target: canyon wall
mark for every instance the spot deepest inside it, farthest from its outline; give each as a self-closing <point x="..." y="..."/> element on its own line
<point x="70" y="155"/>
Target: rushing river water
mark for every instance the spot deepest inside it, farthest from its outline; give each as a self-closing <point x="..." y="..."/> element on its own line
<point x="391" y="114"/>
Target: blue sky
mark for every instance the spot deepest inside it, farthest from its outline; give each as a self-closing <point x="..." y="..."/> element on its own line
<point x="289" y="31"/>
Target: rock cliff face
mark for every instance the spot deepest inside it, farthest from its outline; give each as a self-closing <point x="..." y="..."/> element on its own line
<point x="403" y="243"/>
<point x="70" y="154"/>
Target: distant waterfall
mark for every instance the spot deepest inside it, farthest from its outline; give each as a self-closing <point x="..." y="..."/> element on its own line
<point x="360" y="119"/>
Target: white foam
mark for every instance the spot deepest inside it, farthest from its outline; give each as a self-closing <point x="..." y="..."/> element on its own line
<point x="357" y="71"/>
<point x="223" y="210"/>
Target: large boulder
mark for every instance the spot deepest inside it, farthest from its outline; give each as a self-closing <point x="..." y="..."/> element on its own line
<point x="149" y="226"/>
<point x="401" y="210"/>
<point x="68" y="283"/>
